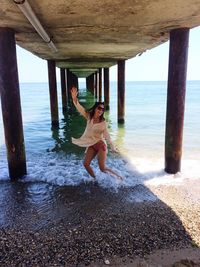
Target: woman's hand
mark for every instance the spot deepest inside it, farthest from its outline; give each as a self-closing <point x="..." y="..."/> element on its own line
<point x="115" y="150"/>
<point x="74" y="93"/>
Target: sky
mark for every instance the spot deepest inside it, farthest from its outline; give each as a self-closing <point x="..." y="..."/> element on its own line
<point x="152" y="65"/>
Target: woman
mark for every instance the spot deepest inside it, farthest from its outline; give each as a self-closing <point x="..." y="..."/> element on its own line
<point x="94" y="135"/>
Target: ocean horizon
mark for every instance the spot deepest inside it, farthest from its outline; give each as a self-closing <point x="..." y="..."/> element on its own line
<point x="52" y="158"/>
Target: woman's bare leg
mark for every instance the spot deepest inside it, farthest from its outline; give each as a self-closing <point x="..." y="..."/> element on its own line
<point x="102" y="155"/>
<point x="90" y="154"/>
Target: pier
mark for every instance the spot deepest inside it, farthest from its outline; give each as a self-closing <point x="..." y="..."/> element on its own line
<point x="84" y="39"/>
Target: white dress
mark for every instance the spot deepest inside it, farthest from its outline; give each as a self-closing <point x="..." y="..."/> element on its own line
<point x="94" y="132"/>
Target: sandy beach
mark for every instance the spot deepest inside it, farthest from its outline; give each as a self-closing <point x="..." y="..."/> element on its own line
<point x="45" y="225"/>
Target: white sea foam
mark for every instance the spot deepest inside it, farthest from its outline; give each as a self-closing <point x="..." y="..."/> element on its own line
<point x="61" y="169"/>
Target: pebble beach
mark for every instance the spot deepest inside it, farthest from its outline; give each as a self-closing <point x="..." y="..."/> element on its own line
<point x="42" y="225"/>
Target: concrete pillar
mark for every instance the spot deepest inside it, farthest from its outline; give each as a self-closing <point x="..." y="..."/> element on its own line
<point x="76" y="80"/>
<point x="68" y="80"/>
<point x="121" y="91"/>
<point x="95" y="85"/>
<point x="178" y="55"/>
<point x="97" y="96"/>
<point x="67" y="95"/>
<point x="100" y="85"/>
<point x="69" y="84"/>
<point x="11" y="105"/>
<point x="90" y="83"/>
<point x="106" y="89"/>
<point x="87" y="83"/>
<point x="63" y="89"/>
<point x="53" y="93"/>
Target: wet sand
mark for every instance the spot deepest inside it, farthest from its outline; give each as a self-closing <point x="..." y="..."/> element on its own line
<point x="45" y="225"/>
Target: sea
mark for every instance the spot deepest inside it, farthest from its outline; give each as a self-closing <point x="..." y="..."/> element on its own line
<point x="53" y="159"/>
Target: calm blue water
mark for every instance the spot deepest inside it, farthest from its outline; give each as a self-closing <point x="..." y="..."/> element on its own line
<point x="52" y="158"/>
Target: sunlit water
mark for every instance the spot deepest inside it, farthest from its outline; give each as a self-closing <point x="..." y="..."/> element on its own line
<point x="52" y="158"/>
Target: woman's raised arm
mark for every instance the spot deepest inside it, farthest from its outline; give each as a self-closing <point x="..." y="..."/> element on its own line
<point x="78" y="106"/>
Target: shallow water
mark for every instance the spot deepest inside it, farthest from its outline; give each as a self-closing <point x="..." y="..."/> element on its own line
<point x="52" y="158"/>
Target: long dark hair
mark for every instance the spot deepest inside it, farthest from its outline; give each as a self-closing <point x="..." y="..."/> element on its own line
<point x="91" y="111"/>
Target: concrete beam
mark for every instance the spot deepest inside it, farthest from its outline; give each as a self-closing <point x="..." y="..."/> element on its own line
<point x="83" y="33"/>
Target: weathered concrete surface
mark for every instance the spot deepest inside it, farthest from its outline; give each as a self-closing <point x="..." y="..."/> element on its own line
<point x="98" y="33"/>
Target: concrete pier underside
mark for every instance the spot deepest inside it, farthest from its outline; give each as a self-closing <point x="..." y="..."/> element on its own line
<point x="93" y="34"/>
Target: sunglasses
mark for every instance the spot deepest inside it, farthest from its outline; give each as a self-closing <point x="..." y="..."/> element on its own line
<point x="100" y="108"/>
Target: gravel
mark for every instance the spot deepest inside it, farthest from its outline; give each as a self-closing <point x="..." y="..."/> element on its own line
<point x="81" y="225"/>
